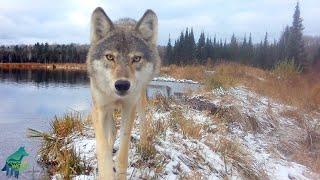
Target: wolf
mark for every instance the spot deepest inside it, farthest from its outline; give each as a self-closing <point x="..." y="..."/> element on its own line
<point x="122" y="60"/>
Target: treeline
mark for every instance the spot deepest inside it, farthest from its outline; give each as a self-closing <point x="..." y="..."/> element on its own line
<point x="185" y="50"/>
<point x="44" y="53"/>
<point x="290" y="46"/>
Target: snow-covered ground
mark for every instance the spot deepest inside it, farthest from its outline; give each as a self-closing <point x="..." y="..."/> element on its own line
<point x="170" y="79"/>
<point x="242" y="139"/>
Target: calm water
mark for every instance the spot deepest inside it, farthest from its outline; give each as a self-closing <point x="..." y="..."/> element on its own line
<point x="30" y="98"/>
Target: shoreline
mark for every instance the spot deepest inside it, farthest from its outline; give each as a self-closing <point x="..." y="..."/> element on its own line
<point x="47" y="66"/>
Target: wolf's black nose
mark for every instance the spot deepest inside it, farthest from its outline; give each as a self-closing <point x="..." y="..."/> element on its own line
<point x="122" y="86"/>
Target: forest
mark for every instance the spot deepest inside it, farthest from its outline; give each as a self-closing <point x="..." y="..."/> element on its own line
<point x="185" y="50"/>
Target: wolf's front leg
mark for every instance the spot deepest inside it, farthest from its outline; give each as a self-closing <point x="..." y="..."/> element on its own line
<point x="105" y="134"/>
<point x="127" y="119"/>
<point x="142" y="115"/>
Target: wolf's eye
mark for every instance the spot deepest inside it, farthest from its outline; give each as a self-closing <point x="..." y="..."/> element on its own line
<point x="136" y="59"/>
<point x="110" y="57"/>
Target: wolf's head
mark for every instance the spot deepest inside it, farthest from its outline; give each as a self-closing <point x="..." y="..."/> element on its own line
<point x="123" y="55"/>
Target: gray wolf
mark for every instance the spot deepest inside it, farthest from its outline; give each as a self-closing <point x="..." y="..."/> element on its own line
<point x="121" y="61"/>
<point x="13" y="163"/>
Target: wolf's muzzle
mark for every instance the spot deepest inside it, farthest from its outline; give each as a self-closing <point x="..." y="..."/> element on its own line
<point x="122" y="86"/>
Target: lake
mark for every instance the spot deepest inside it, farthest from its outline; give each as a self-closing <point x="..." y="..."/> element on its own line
<point x="31" y="98"/>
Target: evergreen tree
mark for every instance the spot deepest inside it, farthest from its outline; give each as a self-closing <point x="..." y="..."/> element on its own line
<point x="316" y="58"/>
<point x="185" y="48"/>
<point x="264" y="52"/>
<point x="201" y="48"/>
<point x="169" y="53"/>
<point x="233" y="48"/>
<point x="193" y="47"/>
<point x="208" y="49"/>
<point x="243" y="51"/>
<point x="296" y="43"/>
<point x="250" y="50"/>
<point x="283" y="45"/>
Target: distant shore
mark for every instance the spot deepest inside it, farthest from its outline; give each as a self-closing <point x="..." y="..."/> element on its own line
<point x="47" y="66"/>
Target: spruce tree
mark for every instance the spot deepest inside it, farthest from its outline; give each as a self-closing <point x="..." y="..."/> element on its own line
<point x="169" y="53"/>
<point x="296" y="43"/>
<point x="250" y="50"/>
<point x="316" y="59"/>
<point x="201" y="48"/>
<point x="283" y="45"/>
<point x="193" y="47"/>
<point x="233" y="48"/>
<point x="265" y="52"/>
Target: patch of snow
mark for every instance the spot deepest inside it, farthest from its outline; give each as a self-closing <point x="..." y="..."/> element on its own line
<point x="170" y="79"/>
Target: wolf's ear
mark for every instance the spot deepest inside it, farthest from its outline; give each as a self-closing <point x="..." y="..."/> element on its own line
<point x="101" y="25"/>
<point x="148" y="26"/>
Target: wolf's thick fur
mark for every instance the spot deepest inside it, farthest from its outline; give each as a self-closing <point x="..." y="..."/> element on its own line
<point x="122" y="59"/>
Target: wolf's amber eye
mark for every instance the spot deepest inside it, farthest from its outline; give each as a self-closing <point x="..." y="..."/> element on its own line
<point x="110" y="57"/>
<point x="136" y="59"/>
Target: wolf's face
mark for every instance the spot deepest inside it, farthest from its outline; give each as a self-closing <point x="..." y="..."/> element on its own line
<point x="123" y="56"/>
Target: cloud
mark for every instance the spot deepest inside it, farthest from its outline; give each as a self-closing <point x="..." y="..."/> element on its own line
<point x="66" y="21"/>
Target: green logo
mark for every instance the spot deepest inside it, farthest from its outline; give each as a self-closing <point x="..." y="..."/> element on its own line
<point x="14" y="164"/>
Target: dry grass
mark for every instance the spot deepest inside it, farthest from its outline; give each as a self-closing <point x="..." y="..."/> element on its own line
<point x="160" y="103"/>
<point x="146" y="147"/>
<point x="193" y="175"/>
<point x="64" y="126"/>
<point x="177" y="120"/>
<point x="309" y="152"/>
<point x="188" y="127"/>
<point x="226" y="75"/>
<point x="235" y="154"/>
<point x="55" y="153"/>
<point x="285" y="82"/>
<point x="153" y="129"/>
<point x="295" y="115"/>
<point x="196" y="73"/>
<point x="311" y="160"/>
<point x="231" y="115"/>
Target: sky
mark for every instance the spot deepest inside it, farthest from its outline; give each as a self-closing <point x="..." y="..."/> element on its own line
<point x="68" y="21"/>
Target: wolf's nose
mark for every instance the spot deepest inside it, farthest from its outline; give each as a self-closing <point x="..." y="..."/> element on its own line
<point x="122" y="85"/>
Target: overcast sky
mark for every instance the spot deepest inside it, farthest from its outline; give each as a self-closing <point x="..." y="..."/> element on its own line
<point x="67" y="21"/>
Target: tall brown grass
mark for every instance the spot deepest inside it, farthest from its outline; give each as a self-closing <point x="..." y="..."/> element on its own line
<point x="285" y="82"/>
<point x="55" y="152"/>
<point x="235" y="154"/>
<point x="187" y="126"/>
<point x="196" y="73"/>
<point x="67" y="124"/>
<point x="152" y="129"/>
<point x="146" y="146"/>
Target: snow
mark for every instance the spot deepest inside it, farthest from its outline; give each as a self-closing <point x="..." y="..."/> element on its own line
<point x="168" y="86"/>
<point x="170" y="79"/>
<point x="179" y="156"/>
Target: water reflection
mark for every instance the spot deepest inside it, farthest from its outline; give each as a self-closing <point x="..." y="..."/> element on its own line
<point x="45" y="77"/>
<point x="30" y="99"/>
